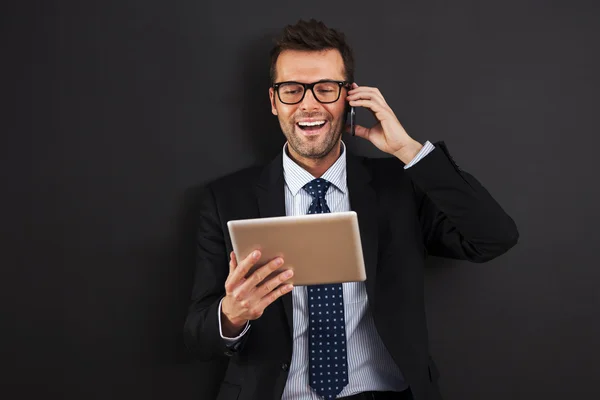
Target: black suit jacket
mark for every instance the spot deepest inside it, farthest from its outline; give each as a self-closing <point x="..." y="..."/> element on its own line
<point x="431" y="208"/>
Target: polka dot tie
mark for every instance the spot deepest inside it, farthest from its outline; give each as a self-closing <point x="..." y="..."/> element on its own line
<point x="327" y="364"/>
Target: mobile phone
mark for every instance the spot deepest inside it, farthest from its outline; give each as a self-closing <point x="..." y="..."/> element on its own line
<point x="352" y="121"/>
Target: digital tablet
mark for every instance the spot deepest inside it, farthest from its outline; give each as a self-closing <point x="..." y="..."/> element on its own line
<point x="320" y="248"/>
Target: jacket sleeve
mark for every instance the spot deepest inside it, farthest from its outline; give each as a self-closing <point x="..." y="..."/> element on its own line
<point x="201" y="329"/>
<point x="459" y="218"/>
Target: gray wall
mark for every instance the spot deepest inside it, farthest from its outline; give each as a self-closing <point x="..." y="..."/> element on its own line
<point x="116" y="112"/>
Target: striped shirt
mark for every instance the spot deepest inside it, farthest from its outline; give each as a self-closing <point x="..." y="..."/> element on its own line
<point x="370" y="366"/>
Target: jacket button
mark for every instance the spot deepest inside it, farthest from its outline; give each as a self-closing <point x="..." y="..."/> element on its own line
<point x="285" y="366"/>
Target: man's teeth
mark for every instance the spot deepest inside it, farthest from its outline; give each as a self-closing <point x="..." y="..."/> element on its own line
<point x="314" y="123"/>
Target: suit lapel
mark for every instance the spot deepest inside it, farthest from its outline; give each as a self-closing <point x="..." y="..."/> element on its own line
<point x="363" y="200"/>
<point x="271" y="203"/>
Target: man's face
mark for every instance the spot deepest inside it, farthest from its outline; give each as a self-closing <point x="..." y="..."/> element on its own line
<point x="313" y="142"/>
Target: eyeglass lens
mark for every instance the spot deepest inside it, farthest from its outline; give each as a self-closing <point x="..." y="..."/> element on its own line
<point x="325" y="92"/>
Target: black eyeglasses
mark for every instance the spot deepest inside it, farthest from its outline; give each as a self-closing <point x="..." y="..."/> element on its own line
<point x="325" y="91"/>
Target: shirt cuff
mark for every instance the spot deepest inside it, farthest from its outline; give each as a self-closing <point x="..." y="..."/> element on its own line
<point x="230" y="341"/>
<point x="427" y="148"/>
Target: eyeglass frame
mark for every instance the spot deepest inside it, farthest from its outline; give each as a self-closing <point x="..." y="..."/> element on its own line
<point x="310" y="86"/>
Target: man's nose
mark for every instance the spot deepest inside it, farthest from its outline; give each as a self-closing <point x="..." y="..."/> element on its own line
<point x="309" y="102"/>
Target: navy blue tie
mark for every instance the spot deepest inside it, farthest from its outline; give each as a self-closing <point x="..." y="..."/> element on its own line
<point x="328" y="363"/>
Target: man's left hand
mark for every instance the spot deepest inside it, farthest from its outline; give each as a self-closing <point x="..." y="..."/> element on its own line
<point x="387" y="134"/>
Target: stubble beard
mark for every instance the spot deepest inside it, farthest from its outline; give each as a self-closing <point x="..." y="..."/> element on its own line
<point x="316" y="147"/>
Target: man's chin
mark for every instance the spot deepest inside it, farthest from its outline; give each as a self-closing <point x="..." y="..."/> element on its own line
<point x="312" y="149"/>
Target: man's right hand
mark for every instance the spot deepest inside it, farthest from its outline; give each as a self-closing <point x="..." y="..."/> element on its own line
<point x="247" y="298"/>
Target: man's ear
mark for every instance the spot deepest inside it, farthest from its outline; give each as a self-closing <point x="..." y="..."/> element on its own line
<point x="272" y="98"/>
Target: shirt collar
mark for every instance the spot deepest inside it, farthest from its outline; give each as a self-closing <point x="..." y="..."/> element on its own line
<point x="296" y="177"/>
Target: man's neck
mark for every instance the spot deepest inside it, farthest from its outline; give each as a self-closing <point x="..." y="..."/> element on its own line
<point x="316" y="166"/>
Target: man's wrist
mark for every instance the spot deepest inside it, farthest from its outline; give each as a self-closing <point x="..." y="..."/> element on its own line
<point x="230" y="326"/>
<point x="230" y="330"/>
<point x="407" y="153"/>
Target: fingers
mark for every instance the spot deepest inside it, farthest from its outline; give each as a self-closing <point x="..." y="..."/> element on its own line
<point x="370" y="98"/>
<point x="359" y="131"/>
<point x="274" y="282"/>
<point x="257" y="277"/>
<point x="244" y="266"/>
<point x="248" y="297"/>
<point x="373" y="97"/>
<point x="253" y="307"/>
<point x="274" y="295"/>
<point x="237" y="272"/>
<point x="366" y="93"/>
<point x="370" y="104"/>
<point x="260" y="274"/>
<point x="232" y="262"/>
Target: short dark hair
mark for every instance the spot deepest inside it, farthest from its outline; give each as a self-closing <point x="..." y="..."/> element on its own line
<point x="313" y="35"/>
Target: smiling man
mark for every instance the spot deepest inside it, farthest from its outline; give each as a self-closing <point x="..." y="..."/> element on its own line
<point x="311" y="120"/>
<point x="414" y="203"/>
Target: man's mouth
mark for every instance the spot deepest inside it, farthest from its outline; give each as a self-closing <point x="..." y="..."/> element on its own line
<point x="311" y="126"/>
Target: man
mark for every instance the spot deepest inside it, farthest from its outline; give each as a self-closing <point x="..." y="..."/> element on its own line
<point x="415" y="203"/>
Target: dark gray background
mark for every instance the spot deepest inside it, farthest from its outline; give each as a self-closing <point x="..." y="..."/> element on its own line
<point x="116" y="112"/>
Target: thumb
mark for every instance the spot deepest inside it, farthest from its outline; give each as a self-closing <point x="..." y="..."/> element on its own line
<point x="361" y="131"/>
<point x="232" y="262"/>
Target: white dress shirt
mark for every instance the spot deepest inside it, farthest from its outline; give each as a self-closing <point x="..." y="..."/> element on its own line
<point x="370" y="366"/>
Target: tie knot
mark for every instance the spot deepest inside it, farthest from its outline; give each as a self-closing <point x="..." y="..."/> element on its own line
<point x="317" y="188"/>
